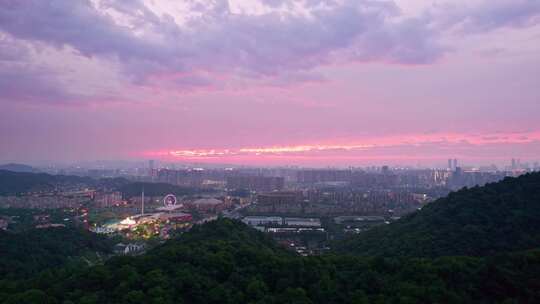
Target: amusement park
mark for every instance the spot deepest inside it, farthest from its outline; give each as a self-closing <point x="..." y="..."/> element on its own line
<point x="160" y="222"/>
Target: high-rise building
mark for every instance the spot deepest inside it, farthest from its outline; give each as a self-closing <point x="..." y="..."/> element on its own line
<point x="255" y="183"/>
<point x="151" y="164"/>
<point x="514" y="164"/>
<point x="142" y="201"/>
<point x="450" y="164"/>
<point x="324" y="175"/>
<point x="279" y="198"/>
<point x="103" y="200"/>
<point x="455" y="164"/>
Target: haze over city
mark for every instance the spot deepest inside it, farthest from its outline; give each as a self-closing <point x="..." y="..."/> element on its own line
<point x="269" y="151"/>
<point x="260" y="82"/>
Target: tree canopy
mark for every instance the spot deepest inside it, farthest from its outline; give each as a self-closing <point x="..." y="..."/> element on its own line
<point x="24" y="253"/>
<point x="228" y="262"/>
<point x="440" y="259"/>
<point x="499" y="217"/>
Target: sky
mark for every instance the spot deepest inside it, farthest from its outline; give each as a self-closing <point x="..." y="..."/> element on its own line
<point x="270" y="82"/>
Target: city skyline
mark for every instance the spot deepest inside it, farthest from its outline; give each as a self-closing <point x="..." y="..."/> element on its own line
<point x="143" y="166"/>
<point x="267" y="83"/>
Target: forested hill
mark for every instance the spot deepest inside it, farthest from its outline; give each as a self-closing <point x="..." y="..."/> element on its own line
<point x="25" y="253"/>
<point x="13" y="183"/>
<point x="498" y="217"/>
<point x="17" y="168"/>
<point x="228" y="262"/>
<point x="225" y="261"/>
<point x="16" y="183"/>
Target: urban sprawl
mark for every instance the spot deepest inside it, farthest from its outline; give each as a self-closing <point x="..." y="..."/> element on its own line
<point x="303" y="209"/>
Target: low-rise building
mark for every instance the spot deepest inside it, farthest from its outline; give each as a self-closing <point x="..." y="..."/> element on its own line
<point x="102" y="230"/>
<point x="263" y="220"/>
<point x="358" y="219"/>
<point x="302" y="222"/>
<point x="45" y="226"/>
<point x="3" y="224"/>
<point x="127" y="249"/>
<point x="103" y="200"/>
<point x="208" y="205"/>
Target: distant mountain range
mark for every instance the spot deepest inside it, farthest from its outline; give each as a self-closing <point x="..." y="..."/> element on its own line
<point x="18" y="168"/>
<point x="16" y="183"/>
<point x="498" y="217"/>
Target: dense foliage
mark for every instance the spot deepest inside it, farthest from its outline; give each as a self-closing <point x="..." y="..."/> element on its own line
<point x="498" y="217"/>
<point x="16" y="183"/>
<point x="22" y="219"/>
<point x="227" y="262"/>
<point x="24" y="253"/>
<point x="158" y="189"/>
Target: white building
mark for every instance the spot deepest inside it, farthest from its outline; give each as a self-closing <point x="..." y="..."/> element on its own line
<point x="130" y="248"/>
<point x="302" y="222"/>
<point x="262" y="220"/>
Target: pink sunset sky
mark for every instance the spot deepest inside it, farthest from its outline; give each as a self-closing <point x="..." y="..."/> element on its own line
<point x="270" y="82"/>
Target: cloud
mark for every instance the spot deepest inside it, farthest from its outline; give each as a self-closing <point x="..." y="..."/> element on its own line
<point x="280" y="42"/>
<point x="19" y="86"/>
<point x="10" y="51"/>
<point x="26" y="79"/>
<point x="432" y="144"/>
<point x="479" y="16"/>
<point x="215" y="39"/>
<point x="75" y="23"/>
<point x="20" y="81"/>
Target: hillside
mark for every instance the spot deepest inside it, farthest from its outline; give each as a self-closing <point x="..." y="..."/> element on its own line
<point x="498" y="217"/>
<point x="17" y="168"/>
<point x="26" y="253"/>
<point x="14" y="183"/>
<point x="228" y="262"/>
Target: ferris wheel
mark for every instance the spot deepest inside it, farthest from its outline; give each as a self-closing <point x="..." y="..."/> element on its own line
<point x="169" y="200"/>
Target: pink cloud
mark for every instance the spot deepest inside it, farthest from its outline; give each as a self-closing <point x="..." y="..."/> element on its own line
<point x="263" y="82"/>
<point x="397" y="148"/>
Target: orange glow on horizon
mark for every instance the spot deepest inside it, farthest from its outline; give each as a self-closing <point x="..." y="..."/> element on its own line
<point x="349" y="149"/>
